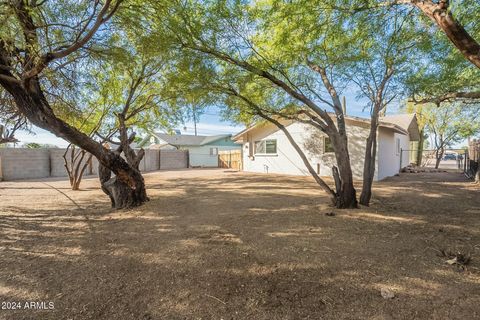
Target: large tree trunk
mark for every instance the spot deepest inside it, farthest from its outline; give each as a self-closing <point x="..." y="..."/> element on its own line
<point x="120" y="193"/>
<point x="369" y="164"/>
<point x="346" y="194"/>
<point x="127" y="188"/>
<point x="30" y="100"/>
<point x="456" y="33"/>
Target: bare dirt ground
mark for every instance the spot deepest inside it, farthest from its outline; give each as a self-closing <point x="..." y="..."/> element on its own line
<point x="213" y="244"/>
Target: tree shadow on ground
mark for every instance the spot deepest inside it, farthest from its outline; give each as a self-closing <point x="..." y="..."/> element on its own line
<point x="202" y="248"/>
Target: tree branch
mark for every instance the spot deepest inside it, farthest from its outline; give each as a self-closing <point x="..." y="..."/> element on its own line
<point x="103" y="16"/>
<point x="448" y="97"/>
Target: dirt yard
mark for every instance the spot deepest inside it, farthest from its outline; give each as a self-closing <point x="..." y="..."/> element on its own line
<point x="214" y="244"/>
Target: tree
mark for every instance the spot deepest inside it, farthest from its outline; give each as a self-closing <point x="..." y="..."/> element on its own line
<point x="441" y="12"/>
<point x="248" y="109"/>
<point x="451" y="19"/>
<point x="133" y="85"/>
<point x="38" y="40"/>
<point x="309" y="65"/>
<point x="442" y="75"/>
<point x="411" y="107"/>
<point x="10" y="120"/>
<point x="377" y="70"/>
<point x="449" y="124"/>
<point x="202" y="28"/>
<point x="75" y="163"/>
<point x="457" y="21"/>
<point x="76" y="160"/>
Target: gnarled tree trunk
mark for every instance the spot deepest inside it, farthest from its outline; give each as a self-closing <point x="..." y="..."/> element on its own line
<point x="121" y="193"/>
<point x="20" y="71"/>
<point x="127" y="188"/>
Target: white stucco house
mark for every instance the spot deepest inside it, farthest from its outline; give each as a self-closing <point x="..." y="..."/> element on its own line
<point x="266" y="149"/>
<point x="202" y="150"/>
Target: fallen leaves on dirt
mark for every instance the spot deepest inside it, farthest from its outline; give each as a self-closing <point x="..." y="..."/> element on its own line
<point x="456" y="258"/>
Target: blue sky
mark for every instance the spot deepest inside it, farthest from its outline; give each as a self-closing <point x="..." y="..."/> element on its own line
<point x="210" y="124"/>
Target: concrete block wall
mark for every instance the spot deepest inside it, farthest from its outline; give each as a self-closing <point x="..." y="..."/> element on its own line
<point x="151" y="160"/>
<point x="20" y="163"/>
<point x="57" y="168"/>
<point x="173" y="159"/>
<point x="24" y="163"/>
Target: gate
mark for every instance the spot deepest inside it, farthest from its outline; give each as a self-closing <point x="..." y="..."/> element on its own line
<point x="449" y="159"/>
<point x="473" y="159"/>
<point x="230" y="159"/>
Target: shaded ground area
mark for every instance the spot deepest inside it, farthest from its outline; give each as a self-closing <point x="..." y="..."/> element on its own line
<point x="214" y="244"/>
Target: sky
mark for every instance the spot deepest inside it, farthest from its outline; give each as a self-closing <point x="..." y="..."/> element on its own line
<point x="210" y="123"/>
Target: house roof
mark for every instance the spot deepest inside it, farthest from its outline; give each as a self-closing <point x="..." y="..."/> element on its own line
<point x="188" y="140"/>
<point x="405" y="124"/>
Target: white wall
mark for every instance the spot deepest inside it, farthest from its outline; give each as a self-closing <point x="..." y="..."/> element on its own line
<point x="388" y="157"/>
<point x="357" y="138"/>
<point x="200" y="156"/>
<point x="405" y="145"/>
<point x="287" y="160"/>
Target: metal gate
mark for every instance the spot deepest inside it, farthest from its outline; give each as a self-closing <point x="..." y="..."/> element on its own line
<point x="450" y="159"/>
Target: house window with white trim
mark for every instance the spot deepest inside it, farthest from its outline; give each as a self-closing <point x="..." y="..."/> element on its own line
<point x="397" y="145"/>
<point x="266" y="146"/>
<point x="213" y="151"/>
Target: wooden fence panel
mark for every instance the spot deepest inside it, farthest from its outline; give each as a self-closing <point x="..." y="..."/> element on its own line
<point x="230" y="159"/>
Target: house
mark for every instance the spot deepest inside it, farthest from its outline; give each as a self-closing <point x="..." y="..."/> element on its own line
<point x="202" y="150"/>
<point x="266" y="149"/>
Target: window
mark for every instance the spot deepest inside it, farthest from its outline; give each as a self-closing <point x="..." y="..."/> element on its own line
<point x="266" y="147"/>
<point x="398" y="146"/>
<point x="213" y="151"/>
<point x="327" y="145"/>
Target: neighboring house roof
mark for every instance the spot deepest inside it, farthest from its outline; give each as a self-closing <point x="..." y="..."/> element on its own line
<point x="189" y="140"/>
<point x="405" y="124"/>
